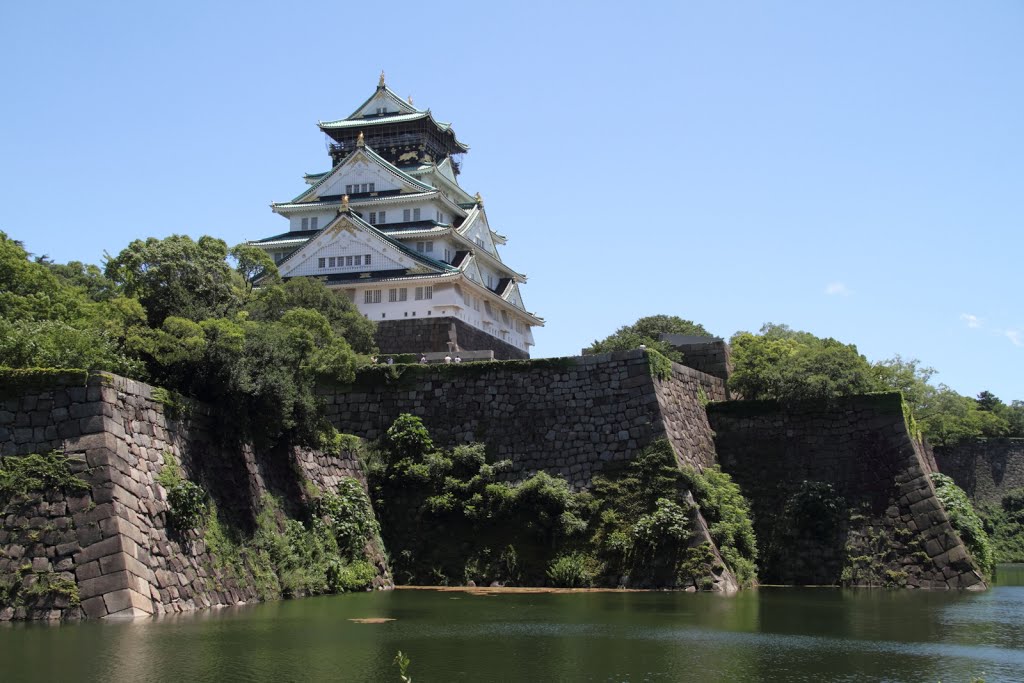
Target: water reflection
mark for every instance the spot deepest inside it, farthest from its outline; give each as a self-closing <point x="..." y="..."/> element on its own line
<point x="767" y="635"/>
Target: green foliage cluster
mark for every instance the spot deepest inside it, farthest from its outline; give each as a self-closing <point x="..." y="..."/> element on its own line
<point x="447" y="518"/>
<point x="574" y="570"/>
<point x="788" y="365"/>
<point x="49" y="321"/>
<point x="175" y="312"/>
<point x="727" y="514"/>
<point x="1004" y="524"/>
<point x="647" y="331"/>
<point x="186" y="500"/>
<point x="965" y="521"/>
<point x="325" y="553"/>
<point x="304" y="557"/>
<point x="25" y="477"/>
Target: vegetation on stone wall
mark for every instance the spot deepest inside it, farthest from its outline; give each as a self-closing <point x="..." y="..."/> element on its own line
<point x="786" y="364"/>
<point x="965" y="521"/>
<point x="25" y="483"/>
<point x="447" y="519"/>
<point x="24" y="478"/>
<point x="647" y="331"/>
<point x="1004" y="524"/>
<point x="176" y="313"/>
<point x="325" y="552"/>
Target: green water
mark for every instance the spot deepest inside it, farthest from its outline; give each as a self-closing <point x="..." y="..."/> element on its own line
<point x="773" y="634"/>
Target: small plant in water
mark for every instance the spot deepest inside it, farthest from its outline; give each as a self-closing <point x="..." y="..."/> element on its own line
<point x="403" y="667"/>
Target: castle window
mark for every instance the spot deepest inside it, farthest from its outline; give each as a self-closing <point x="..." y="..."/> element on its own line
<point x="381" y="217"/>
<point x="392" y="295"/>
<point x="321" y="263"/>
<point x="403" y="294"/>
<point x="348" y="261"/>
<point x="348" y="189"/>
<point x="430" y="247"/>
<point x="424" y="293"/>
<point x="359" y="259"/>
<point x="305" y="223"/>
<point x="373" y="218"/>
<point x="490" y="281"/>
<point x="366" y="259"/>
<point x="448" y="255"/>
<point x="371" y="187"/>
<point x="415" y="214"/>
<point x="405" y="215"/>
<point x="313" y="221"/>
<point x="371" y="296"/>
<point x="330" y="262"/>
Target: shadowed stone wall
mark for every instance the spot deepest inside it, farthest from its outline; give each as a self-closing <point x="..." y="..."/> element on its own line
<point x="113" y="541"/>
<point x="567" y="416"/>
<point x="987" y="469"/>
<point x="422" y="335"/>
<point x="891" y="526"/>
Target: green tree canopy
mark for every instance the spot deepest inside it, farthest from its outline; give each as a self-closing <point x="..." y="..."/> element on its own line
<point x="786" y="364"/>
<point x="177" y="276"/>
<point x="647" y="331"/>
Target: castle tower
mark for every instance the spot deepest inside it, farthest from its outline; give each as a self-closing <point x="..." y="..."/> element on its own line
<point x="390" y="226"/>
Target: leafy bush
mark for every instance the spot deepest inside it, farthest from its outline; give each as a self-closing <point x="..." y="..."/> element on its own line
<point x="574" y="570"/>
<point x="727" y="514"/>
<point x="785" y="364"/>
<point x="647" y="331"/>
<point x="185" y="499"/>
<point x="1004" y="523"/>
<point x="965" y="521"/>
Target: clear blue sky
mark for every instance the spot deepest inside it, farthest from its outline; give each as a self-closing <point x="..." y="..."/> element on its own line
<point x="853" y="169"/>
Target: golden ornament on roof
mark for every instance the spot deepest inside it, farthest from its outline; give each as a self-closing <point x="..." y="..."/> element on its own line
<point x="410" y="99"/>
<point x="479" y="199"/>
<point x="380" y="83"/>
<point x="344" y="204"/>
<point x="360" y="142"/>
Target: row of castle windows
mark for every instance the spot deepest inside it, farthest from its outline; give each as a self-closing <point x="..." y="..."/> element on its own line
<point x="364" y="187"/>
<point x="373" y="296"/>
<point x="343" y="261"/>
<point x="310" y="223"/>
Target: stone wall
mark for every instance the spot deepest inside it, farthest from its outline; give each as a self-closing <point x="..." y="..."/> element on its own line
<point x="710" y="355"/>
<point x="883" y="522"/>
<point x="113" y="541"/>
<point x="987" y="469"/>
<point x="567" y="416"/>
<point x="421" y="335"/>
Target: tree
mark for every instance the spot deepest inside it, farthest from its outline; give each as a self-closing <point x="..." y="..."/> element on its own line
<point x="274" y="301"/>
<point x="647" y="331"/>
<point x="909" y="377"/>
<point x="254" y="265"/>
<point x="988" y="401"/>
<point x="786" y="364"/>
<point x="177" y="276"/>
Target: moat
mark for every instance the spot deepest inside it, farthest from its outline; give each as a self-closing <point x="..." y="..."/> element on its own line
<point x="772" y="634"/>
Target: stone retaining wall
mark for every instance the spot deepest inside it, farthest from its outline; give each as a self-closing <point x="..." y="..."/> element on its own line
<point x="567" y="416"/>
<point x="421" y="335"/>
<point x="892" y="526"/>
<point x="113" y="541"/>
<point x="987" y="469"/>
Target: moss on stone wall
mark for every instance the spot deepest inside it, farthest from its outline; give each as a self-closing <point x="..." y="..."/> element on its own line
<point x="410" y="374"/>
<point x="21" y="381"/>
